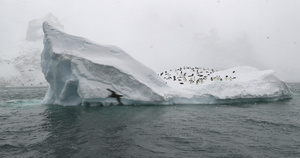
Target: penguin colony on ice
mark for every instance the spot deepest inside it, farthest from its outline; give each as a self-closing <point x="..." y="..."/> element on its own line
<point x="193" y="75"/>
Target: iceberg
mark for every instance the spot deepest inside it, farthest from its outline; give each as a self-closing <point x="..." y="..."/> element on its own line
<point x="79" y="72"/>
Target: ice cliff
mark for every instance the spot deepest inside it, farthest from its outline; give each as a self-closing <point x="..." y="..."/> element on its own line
<point x="79" y="72"/>
<point x="78" y="69"/>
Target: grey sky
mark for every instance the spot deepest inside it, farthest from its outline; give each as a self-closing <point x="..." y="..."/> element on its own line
<point x="165" y="34"/>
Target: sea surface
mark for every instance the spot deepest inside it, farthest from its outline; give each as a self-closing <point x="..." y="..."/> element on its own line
<point x="259" y="129"/>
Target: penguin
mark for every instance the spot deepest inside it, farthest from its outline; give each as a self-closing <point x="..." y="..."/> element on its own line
<point x="198" y="80"/>
<point x="191" y="81"/>
<point x="115" y="95"/>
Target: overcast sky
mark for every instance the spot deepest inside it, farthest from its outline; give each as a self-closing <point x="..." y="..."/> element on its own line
<point x="165" y="34"/>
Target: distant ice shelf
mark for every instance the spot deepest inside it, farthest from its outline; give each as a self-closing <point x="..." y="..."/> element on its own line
<point x="80" y="71"/>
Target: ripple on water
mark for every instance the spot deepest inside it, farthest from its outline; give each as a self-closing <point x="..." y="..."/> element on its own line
<point x="29" y="129"/>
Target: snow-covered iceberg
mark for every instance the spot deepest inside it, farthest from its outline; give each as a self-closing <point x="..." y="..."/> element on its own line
<point x="80" y="72"/>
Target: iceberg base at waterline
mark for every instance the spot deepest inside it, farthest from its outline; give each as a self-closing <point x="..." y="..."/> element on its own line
<point x="79" y="72"/>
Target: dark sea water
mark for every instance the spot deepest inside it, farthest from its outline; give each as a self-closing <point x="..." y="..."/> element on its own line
<point x="262" y="129"/>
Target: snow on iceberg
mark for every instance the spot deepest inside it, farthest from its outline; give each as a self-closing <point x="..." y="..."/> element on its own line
<point x="237" y="84"/>
<point x="80" y="72"/>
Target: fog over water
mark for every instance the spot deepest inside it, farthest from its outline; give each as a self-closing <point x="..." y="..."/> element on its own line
<point x="171" y="33"/>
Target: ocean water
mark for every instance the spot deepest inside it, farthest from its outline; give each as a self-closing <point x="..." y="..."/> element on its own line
<point x="261" y="129"/>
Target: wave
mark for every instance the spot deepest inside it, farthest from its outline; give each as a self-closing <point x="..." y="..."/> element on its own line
<point x="273" y="124"/>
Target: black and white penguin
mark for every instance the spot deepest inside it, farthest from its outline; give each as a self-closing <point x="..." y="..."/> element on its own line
<point x="191" y="75"/>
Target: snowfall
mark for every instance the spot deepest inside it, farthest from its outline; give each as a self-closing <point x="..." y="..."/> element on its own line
<point x="80" y="71"/>
<point x="22" y="68"/>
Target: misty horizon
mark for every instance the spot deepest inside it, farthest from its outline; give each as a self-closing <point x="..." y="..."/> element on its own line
<point x="168" y="34"/>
